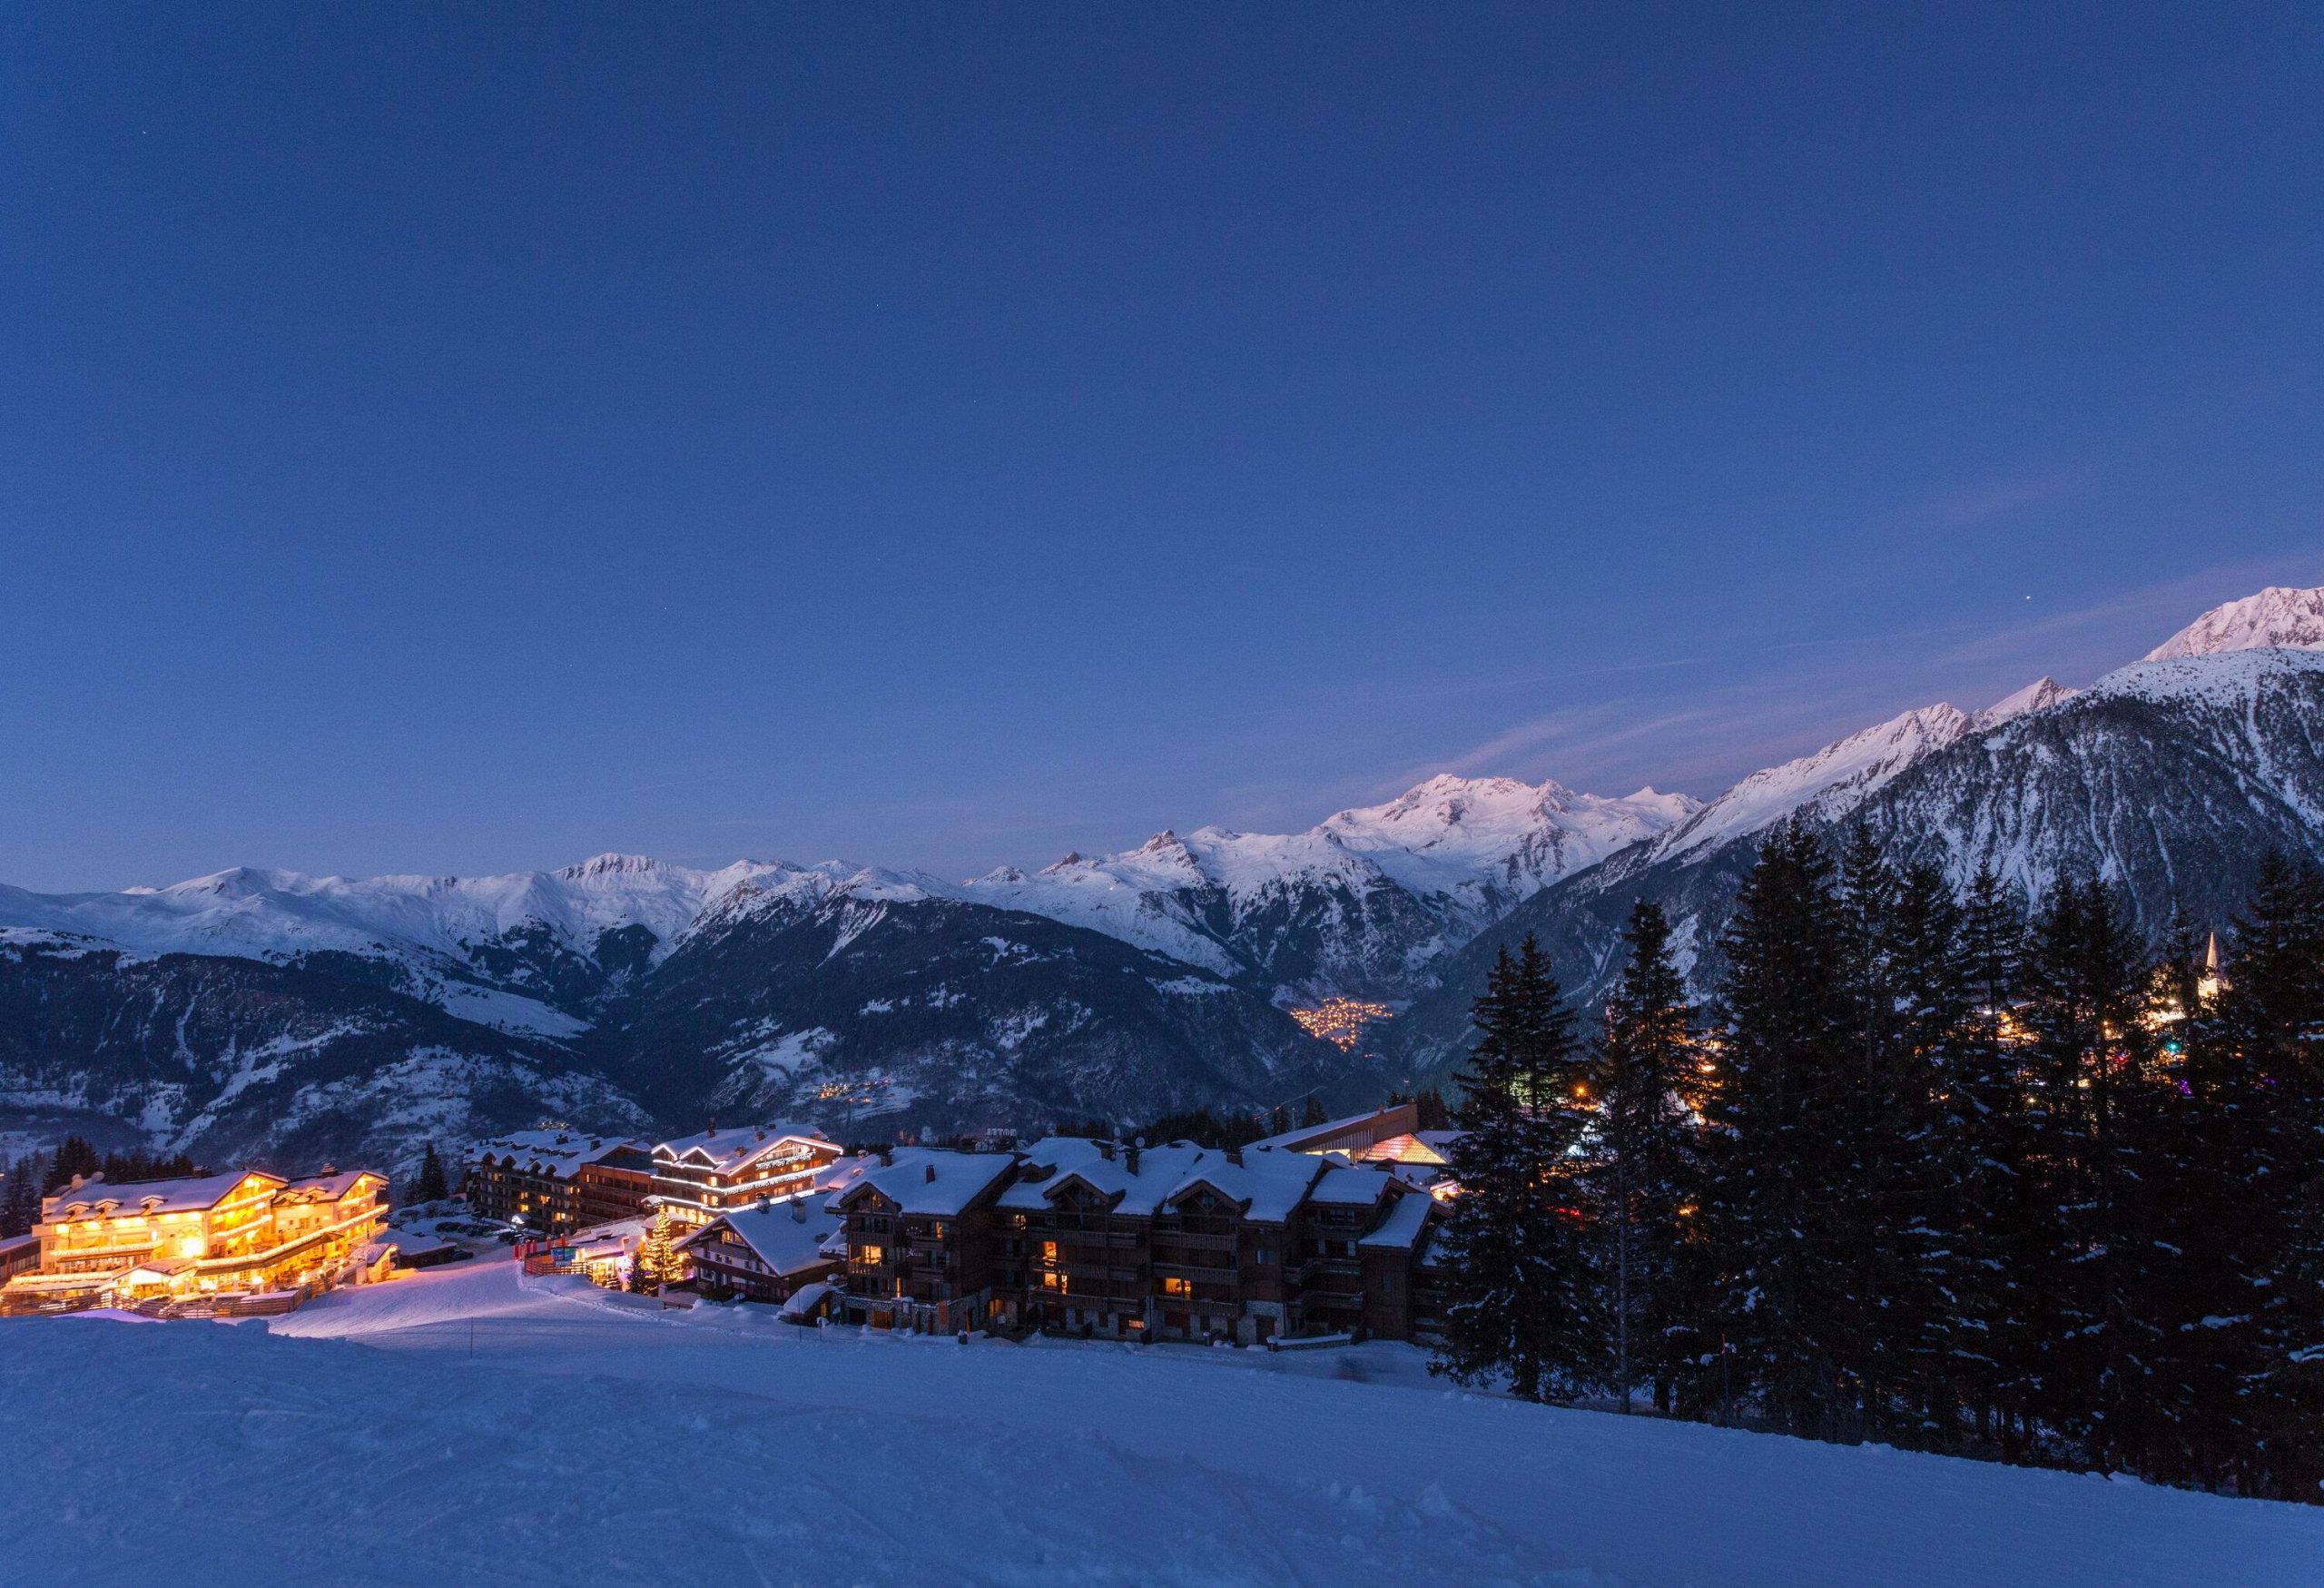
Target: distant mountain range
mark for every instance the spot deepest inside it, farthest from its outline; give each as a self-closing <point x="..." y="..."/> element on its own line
<point x="272" y="1013"/>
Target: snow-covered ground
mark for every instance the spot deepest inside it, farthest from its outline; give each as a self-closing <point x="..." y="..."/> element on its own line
<point x="469" y="1426"/>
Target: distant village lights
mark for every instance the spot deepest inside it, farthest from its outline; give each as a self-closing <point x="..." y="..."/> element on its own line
<point x="1341" y="1021"/>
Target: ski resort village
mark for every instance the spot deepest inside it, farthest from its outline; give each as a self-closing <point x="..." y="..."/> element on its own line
<point x="1190" y="795"/>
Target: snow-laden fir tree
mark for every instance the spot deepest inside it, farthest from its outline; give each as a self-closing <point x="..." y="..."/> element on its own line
<point x="429" y="1184"/>
<point x="1648" y="1172"/>
<point x="1523" y="1303"/>
<point x="2094" y="1130"/>
<point x="1778" y="1148"/>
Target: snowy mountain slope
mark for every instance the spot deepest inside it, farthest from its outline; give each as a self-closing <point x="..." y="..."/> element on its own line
<point x="1360" y="905"/>
<point x="2169" y="779"/>
<point x="886" y="1012"/>
<point x="1825" y="786"/>
<point x="237" y="1060"/>
<point x="2277" y="618"/>
<point x="527" y="952"/>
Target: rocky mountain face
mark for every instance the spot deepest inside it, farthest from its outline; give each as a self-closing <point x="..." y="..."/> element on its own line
<point x="268" y="1014"/>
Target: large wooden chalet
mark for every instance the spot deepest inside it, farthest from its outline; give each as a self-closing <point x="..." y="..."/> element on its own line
<point x="235" y="1233"/>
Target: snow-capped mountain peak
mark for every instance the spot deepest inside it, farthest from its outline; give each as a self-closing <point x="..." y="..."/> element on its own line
<point x="1358" y="902"/>
<point x="1827" y="784"/>
<point x="2277" y="617"/>
<point x="2039" y="695"/>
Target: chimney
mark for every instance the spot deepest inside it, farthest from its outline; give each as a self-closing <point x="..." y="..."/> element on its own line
<point x="711" y="1128"/>
<point x="1130" y="1154"/>
<point x="930" y="1167"/>
<point x="798" y="1209"/>
<point x="1106" y="1150"/>
<point x="1235" y="1155"/>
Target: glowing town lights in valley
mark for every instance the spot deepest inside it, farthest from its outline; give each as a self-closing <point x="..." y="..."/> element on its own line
<point x="1341" y="1021"/>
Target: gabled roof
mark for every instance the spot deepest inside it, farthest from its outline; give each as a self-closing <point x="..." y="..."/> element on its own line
<point x="731" y="1149"/>
<point x="1107" y="1168"/>
<point x="95" y="1197"/>
<point x="929" y="1180"/>
<point x="1407" y="1220"/>
<point x="1342" y="1185"/>
<point x="788" y="1235"/>
<point x="331" y="1187"/>
<point x="1267" y="1186"/>
<point x="553" y="1152"/>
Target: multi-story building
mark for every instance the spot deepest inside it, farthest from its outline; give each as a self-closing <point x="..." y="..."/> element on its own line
<point x="769" y="1252"/>
<point x="614" y="1186"/>
<point x="1183" y="1242"/>
<point x="698" y="1178"/>
<point x="920" y="1224"/>
<point x="532" y="1179"/>
<point x="242" y="1231"/>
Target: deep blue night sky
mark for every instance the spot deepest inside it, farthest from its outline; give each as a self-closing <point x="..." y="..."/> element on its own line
<point x="453" y="437"/>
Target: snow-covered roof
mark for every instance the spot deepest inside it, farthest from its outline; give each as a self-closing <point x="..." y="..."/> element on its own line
<point x="1345" y="1184"/>
<point x="1268" y="1185"/>
<point x="724" y="1151"/>
<point x="1404" y="1224"/>
<point x="329" y="1188"/>
<point x="1136" y="1192"/>
<point x="551" y="1152"/>
<point x="806" y="1300"/>
<point x="930" y="1180"/>
<point x="1393" y="1119"/>
<point x="147" y="1196"/>
<point x="787" y="1235"/>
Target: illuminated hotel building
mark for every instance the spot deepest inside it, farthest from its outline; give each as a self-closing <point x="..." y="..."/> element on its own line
<point x="244" y="1232"/>
<point x="698" y="1178"/>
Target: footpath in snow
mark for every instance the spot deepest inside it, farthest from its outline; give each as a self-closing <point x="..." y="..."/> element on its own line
<point x="469" y="1426"/>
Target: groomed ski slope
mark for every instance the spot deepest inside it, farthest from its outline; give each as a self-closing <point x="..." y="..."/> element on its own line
<point x="469" y="1426"/>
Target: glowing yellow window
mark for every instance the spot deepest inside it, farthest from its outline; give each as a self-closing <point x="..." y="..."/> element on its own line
<point x="1049" y="1251"/>
<point x="1174" y="1285"/>
<point x="870" y="1253"/>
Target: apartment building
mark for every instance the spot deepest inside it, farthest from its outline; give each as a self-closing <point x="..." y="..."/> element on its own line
<point x="920" y="1226"/>
<point x="533" y="1178"/>
<point x="1184" y="1242"/>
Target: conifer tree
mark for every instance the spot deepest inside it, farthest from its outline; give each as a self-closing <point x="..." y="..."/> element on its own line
<point x="72" y="1157"/>
<point x="2094" y="1130"/>
<point x="1524" y="1304"/>
<point x="1650" y="1170"/>
<point x="2263" y="1156"/>
<point x="428" y="1185"/>
<point x="1937" y="1178"/>
<point x="19" y="1199"/>
<point x="1777" y="1097"/>
<point x="1871" y="1186"/>
<point x="1995" y="1212"/>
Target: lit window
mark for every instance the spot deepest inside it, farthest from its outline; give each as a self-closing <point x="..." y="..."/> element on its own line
<point x="1174" y="1285"/>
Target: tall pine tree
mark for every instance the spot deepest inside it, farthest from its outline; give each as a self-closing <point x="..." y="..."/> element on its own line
<point x="1650" y="1171"/>
<point x="1515" y="1248"/>
<point x="1777" y="1154"/>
